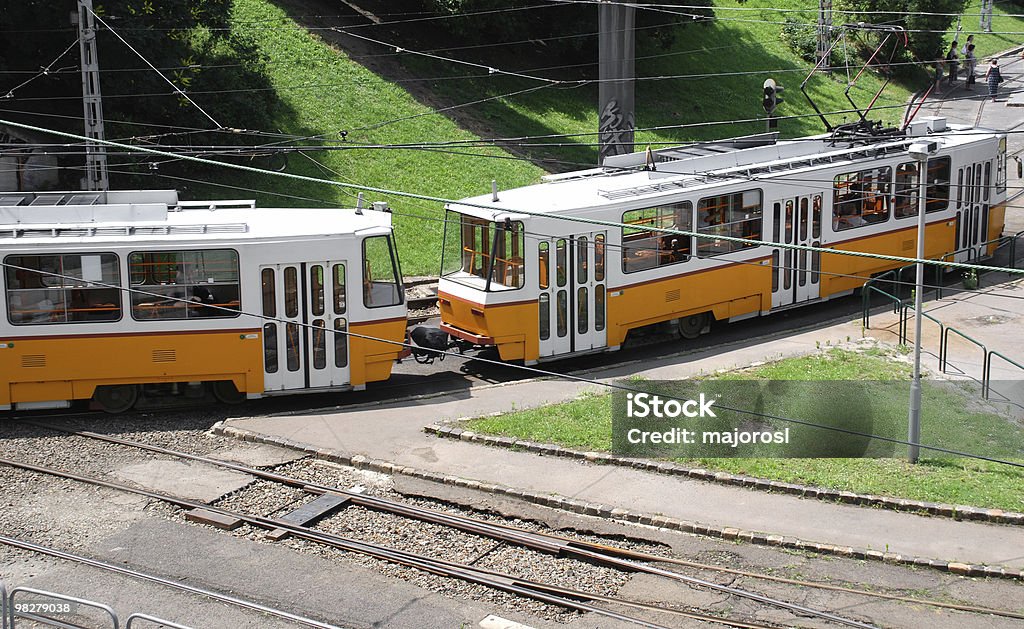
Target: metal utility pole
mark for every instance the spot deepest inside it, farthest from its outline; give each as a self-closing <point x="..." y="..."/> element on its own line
<point x="617" y="74"/>
<point x="920" y="152"/>
<point x="92" y="101"/>
<point x="986" y="15"/>
<point x="824" y="34"/>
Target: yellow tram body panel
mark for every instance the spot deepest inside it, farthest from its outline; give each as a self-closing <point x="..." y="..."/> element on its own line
<point x="512" y="327"/>
<point x="45" y="368"/>
<point x="728" y="291"/>
<point x="371" y="361"/>
<point x="841" y="273"/>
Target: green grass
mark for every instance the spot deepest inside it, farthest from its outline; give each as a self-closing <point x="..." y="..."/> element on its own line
<point x="948" y="419"/>
<point x="323" y="91"/>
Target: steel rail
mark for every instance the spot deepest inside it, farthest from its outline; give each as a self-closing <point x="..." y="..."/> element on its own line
<point x="537" y="541"/>
<point x="441" y="567"/>
<point x="224" y="598"/>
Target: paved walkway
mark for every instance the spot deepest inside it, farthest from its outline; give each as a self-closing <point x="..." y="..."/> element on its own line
<point x="393" y="432"/>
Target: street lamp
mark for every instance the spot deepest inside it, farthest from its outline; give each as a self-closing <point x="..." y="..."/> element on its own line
<point x="919" y="151"/>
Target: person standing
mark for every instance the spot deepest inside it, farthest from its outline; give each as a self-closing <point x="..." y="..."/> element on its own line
<point x="970" y="64"/>
<point x="952" y="63"/>
<point x="967" y="44"/>
<point x="993" y="77"/>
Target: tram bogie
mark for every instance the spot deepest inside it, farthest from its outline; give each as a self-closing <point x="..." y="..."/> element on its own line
<point x="117" y="296"/>
<point x="539" y="273"/>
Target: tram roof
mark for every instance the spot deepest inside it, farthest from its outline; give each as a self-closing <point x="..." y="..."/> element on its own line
<point x="126" y="216"/>
<point x="702" y="169"/>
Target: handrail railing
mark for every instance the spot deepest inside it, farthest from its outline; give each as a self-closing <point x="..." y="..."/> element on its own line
<point x="154" y="620"/>
<point x="52" y="622"/>
<point x="986" y="384"/>
<point x="905" y="335"/>
<point x="945" y="354"/>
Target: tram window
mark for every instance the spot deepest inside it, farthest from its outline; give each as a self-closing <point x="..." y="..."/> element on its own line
<point x="582" y="253"/>
<point x="775" y="271"/>
<point x="71" y="288"/>
<point x="269" y="289"/>
<point x="291" y="343"/>
<point x="988" y="181"/>
<point x="959" y="187"/>
<point x="646" y="248"/>
<point x="815" y="263"/>
<point x="861" y="198"/>
<point x="560" y="262"/>
<point x="319" y="345"/>
<point x="804" y="219"/>
<point x="968" y="189"/>
<point x="599" y="258"/>
<point x="582" y="308"/>
<point x="382" y="285"/>
<point x="906" y="190"/>
<point x="776" y="217"/>
<point x="340" y="343"/>
<point x="543" y="265"/>
<point x="787" y="270"/>
<point x="291" y="292"/>
<point x="977" y="183"/>
<point x="562" y="314"/>
<point x="316" y="290"/>
<point x="1001" y="166"/>
<point x="937" y="184"/>
<point x="735" y="215"/>
<point x="467" y="251"/>
<point x="789" y="222"/>
<point x="599" y="295"/>
<point x="195" y="284"/>
<point x="507" y="261"/>
<point x="544" y="304"/>
<point x="803" y="267"/>
<point x="816" y="216"/>
<point x="338" y="285"/>
<point x="270" y="347"/>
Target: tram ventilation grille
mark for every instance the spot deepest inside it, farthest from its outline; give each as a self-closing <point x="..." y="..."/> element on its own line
<point x="164" y="355"/>
<point x="672" y="295"/>
<point x="33" y="360"/>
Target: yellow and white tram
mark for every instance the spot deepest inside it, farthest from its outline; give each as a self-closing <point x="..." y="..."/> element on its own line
<point x="518" y="276"/>
<point x="109" y="296"/>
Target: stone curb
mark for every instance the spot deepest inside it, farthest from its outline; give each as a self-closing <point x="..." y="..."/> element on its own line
<point x="605" y="511"/>
<point x="957" y="512"/>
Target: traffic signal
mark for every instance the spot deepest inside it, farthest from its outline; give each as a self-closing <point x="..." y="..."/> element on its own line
<point x="772" y="96"/>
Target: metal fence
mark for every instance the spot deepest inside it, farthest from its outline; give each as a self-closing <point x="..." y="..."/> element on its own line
<point x="52" y="609"/>
<point x="902" y="306"/>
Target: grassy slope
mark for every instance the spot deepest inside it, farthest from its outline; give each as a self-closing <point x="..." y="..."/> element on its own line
<point x="324" y="91"/>
<point x="947" y="418"/>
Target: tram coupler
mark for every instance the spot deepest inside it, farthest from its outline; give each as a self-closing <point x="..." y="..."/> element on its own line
<point x="430" y="344"/>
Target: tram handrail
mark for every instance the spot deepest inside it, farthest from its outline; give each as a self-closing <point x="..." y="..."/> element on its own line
<point x="986" y="383"/>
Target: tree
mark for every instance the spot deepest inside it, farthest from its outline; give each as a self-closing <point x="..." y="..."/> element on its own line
<point x="190" y="40"/>
<point x="926" y="21"/>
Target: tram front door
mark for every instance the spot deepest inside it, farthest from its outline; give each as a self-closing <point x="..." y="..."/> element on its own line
<point x="573" y="292"/>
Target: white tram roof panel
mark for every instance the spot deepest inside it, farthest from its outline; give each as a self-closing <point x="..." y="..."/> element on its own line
<point x="128" y="216"/>
<point x="700" y="168"/>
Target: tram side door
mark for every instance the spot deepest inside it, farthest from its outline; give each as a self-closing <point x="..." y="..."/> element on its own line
<point x="304" y="304"/>
<point x="587" y="300"/>
<point x="972" y="224"/>
<point x="795" y="276"/>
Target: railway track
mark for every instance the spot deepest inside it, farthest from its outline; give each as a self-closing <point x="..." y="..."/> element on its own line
<point x="617" y="557"/>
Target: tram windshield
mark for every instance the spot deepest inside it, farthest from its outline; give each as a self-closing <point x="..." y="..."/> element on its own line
<point x="482" y="253"/>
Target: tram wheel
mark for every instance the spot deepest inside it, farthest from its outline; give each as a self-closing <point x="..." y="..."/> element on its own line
<point x="225" y="391"/>
<point x="692" y="326"/>
<point x="116" y="398"/>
